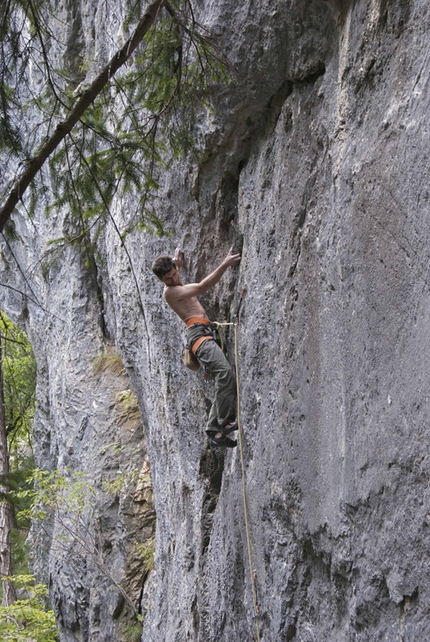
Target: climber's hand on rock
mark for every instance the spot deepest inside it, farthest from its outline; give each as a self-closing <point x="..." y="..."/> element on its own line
<point x="232" y="258"/>
<point x="178" y="259"/>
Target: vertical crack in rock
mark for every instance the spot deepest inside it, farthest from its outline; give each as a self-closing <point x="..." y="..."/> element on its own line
<point x="73" y="55"/>
<point x="211" y="471"/>
<point x="340" y="8"/>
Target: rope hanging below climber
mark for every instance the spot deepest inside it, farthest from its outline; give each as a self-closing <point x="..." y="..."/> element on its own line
<point x="256" y="613"/>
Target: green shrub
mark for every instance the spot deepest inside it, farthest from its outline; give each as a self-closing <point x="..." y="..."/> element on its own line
<point x="27" y="619"/>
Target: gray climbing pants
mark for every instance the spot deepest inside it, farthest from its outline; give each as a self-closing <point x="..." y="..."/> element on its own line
<point x="210" y="355"/>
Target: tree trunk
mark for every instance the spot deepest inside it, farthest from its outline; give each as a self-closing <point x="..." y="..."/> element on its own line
<point x="6" y="509"/>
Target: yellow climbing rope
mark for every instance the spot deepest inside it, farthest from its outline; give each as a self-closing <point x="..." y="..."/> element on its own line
<point x="242" y="462"/>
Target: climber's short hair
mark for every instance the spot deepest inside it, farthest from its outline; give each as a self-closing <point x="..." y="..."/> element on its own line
<point x="162" y="265"/>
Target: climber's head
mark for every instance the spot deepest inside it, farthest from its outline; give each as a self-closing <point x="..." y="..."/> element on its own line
<point x="165" y="270"/>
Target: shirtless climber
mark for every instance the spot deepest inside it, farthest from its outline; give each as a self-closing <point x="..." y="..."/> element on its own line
<point x="183" y="300"/>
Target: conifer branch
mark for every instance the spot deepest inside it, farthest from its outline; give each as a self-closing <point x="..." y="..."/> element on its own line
<point x="82" y="104"/>
<point x="123" y="245"/>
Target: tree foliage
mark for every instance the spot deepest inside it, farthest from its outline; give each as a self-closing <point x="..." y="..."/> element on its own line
<point x="18" y="369"/>
<point x="112" y="133"/>
<point x="27" y="619"/>
<point x="19" y="385"/>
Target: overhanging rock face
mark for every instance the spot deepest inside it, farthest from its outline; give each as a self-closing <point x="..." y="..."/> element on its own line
<point x="318" y="163"/>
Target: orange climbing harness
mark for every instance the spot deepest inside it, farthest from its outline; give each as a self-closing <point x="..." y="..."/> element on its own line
<point x="192" y="320"/>
<point x="198" y="342"/>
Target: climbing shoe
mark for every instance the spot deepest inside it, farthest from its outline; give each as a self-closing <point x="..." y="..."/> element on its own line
<point x="222" y="442"/>
<point x="226" y="430"/>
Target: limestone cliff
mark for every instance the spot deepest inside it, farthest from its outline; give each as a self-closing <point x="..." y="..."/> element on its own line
<point x="317" y="159"/>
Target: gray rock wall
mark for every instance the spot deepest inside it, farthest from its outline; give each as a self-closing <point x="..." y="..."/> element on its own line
<point x="318" y="161"/>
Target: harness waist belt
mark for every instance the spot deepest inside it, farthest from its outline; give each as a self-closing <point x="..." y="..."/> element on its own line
<point x="198" y="342"/>
<point x="193" y="320"/>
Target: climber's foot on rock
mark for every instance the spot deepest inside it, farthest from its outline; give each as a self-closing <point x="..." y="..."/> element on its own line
<point x="228" y="428"/>
<point x="221" y="441"/>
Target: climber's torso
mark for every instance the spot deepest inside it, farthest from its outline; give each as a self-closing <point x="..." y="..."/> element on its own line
<point x="185" y="306"/>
